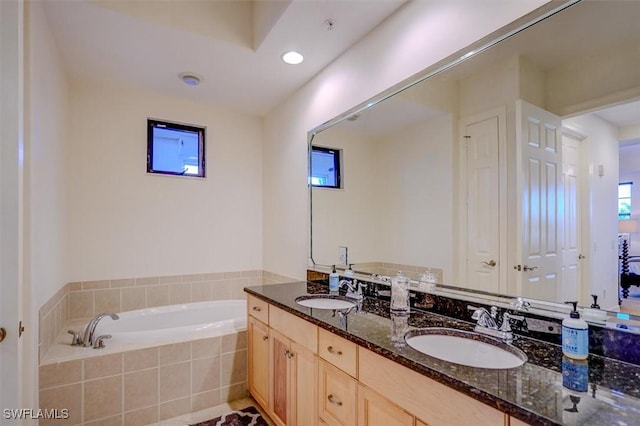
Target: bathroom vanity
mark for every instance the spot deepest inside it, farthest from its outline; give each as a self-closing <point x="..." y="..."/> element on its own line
<point x="321" y="366"/>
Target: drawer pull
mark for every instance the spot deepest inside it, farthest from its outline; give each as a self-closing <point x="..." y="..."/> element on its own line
<point x="265" y="337"/>
<point x="257" y="308"/>
<point x="333" y="351"/>
<point x="333" y="401"/>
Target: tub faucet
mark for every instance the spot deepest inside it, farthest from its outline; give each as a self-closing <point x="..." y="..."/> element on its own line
<point x="87" y="340"/>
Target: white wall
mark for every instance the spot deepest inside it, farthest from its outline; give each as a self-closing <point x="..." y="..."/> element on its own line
<point x="601" y="146"/>
<point x="127" y="223"/>
<point x="419" y="35"/>
<point x="47" y="165"/>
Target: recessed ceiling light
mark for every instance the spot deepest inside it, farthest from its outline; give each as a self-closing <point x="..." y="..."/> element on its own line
<point x="292" y="57"/>
<point x="190" y="79"/>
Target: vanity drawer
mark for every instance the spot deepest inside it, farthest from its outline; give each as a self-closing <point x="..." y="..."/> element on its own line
<point x="296" y="329"/>
<point x="337" y="396"/>
<point x="259" y="309"/>
<point x="338" y="351"/>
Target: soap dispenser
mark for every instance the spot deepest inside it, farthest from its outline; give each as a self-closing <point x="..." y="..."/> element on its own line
<point x="349" y="274"/>
<point x="575" y="335"/>
<point x="334" y="280"/>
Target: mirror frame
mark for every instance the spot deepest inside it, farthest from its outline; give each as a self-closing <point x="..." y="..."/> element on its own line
<point x="551" y="309"/>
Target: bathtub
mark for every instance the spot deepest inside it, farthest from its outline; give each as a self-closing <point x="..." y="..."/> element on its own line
<point x="152" y="327"/>
<point x="174" y="323"/>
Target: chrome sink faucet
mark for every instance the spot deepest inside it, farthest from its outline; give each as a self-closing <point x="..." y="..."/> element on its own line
<point x="354" y="289"/>
<point x="487" y="322"/>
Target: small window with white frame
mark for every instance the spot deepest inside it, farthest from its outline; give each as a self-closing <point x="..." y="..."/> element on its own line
<point x="624" y="200"/>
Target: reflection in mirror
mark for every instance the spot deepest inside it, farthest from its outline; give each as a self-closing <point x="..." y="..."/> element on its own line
<point x="500" y="173"/>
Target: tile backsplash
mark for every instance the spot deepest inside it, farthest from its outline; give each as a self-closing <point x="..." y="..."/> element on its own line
<point x="79" y="300"/>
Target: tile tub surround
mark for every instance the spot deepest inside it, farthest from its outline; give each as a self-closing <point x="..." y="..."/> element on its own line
<point x="147" y="385"/>
<point x="533" y="393"/>
<point x="84" y="300"/>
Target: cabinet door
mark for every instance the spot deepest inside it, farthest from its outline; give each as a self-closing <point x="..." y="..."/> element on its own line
<point x="337" y="398"/>
<point x="374" y="410"/>
<point x="280" y="389"/>
<point x="259" y="362"/>
<point x="304" y="386"/>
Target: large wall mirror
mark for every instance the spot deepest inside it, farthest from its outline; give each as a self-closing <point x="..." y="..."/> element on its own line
<point x="500" y="173"/>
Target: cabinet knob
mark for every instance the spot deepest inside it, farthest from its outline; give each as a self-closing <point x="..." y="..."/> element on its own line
<point x="334" y="401"/>
<point x="333" y="351"/>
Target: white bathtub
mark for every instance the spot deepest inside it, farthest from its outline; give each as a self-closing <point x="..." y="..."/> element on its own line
<point x="174" y="323"/>
<point x="153" y="327"/>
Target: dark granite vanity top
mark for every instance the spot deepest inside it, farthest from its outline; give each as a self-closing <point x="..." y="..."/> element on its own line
<point x="533" y="393"/>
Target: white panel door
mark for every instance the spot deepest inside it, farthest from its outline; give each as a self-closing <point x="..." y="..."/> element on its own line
<point x="572" y="258"/>
<point x="11" y="107"/>
<point x="482" y="204"/>
<point x="540" y="204"/>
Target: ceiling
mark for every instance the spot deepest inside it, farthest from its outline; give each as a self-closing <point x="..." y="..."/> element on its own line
<point x="235" y="46"/>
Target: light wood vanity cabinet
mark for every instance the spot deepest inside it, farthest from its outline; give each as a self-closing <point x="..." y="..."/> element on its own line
<point x="307" y="376"/>
<point x="258" y="334"/>
<point x="375" y="410"/>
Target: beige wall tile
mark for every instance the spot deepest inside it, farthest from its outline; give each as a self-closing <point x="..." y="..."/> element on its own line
<point x="192" y="278"/>
<point x="75" y="286"/>
<point x="234" y="342"/>
<point x="236" y="288"/>
<point x="95" y="285"/>
<point x="144" y="416"/>
<point x="147" y="281"/>
<point x="205" y="400"/>
<point x="102" y="366"/>
<point x="140" y="389"/>
<point x="133" y="298"/>
<point x="107" y="301"/>
<point x="102" y="398"/>
<point x="170" y="279"/>
<point x="214" y="276"/>
<point x="140" y="359"/>
<point x="175" y="381"/>
<point x="229" y="275"/>
<point x="251" y="274"/>
<point x="177" y="352"/>
<point x="220" y="290"/>
<point x="205" y="347"/>
<point x="175" y="408"/>
<point x="205" y="374"/>
<point x="158" y="296"/>
<point x="109" y="421"/>
<point x="81" y="304"/>
<point x="201" y="292"/>
<point x="61" y="373"/>
<point x="180" y="293"/>
<point x="69" y="397"/>
<point x="233" y="392"/>
<point x="234" y="367"/>
<point x="127" y="282"/>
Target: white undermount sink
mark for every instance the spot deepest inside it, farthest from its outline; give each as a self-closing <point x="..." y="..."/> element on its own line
<point x="465" y="348"/>
<point x="325" y="301"/>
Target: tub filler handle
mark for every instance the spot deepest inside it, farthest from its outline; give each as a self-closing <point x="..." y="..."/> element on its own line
<point x="76" y="340"/>
<point x="99" y="344"/>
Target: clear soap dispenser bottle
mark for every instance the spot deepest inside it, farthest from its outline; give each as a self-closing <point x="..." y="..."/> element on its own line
<point x="400" y="293"/>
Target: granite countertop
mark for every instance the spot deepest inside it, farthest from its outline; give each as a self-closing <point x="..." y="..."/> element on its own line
<point x="533" y="392"/>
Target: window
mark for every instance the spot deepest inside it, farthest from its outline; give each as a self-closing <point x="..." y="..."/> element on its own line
<point x="325" y="167"/>
<point x="624" y="200"/>
<point x="175" y="149"/>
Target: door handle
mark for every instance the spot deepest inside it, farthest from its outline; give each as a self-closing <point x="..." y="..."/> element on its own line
<point x="524" y="268"/>
<point x="490" y="263"/>
<point x="581" y="256"/>
<point x="3" y="333"/>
